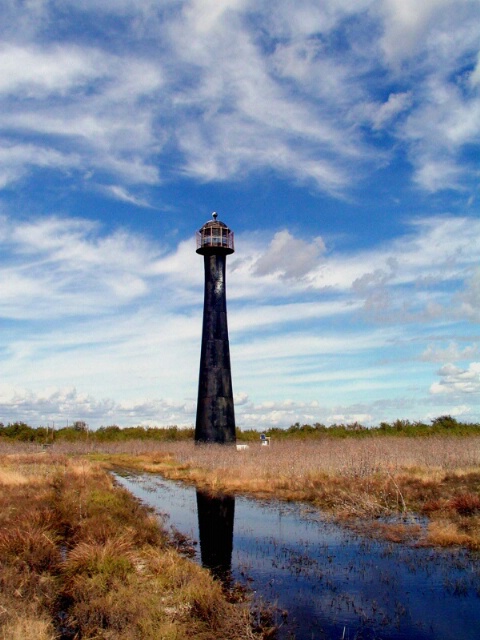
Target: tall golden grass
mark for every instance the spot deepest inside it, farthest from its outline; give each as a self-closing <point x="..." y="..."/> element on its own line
<point x="79" y="556"/>
<point x="437" y="477"/>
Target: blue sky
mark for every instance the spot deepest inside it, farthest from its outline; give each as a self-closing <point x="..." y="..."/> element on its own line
<point x="339" y="140"/>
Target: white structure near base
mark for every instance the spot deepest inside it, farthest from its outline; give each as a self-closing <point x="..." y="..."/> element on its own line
<point x="242" y="447"/>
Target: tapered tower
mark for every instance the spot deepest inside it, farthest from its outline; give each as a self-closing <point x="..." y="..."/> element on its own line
<point x="215" y="410"/>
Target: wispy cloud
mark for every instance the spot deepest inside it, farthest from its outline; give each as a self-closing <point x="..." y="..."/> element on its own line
<point x="109" y="108"/>
<point x="120" y="193"/>
<point x="97" y="309"/>
<point x="56" y="267"/>
<point x="451" y="353"/>
<point x="238" y="87"/>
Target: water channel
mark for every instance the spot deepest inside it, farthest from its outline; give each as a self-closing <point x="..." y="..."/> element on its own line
<point x="323" y="582"/>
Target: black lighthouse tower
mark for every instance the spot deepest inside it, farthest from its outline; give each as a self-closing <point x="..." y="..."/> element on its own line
<point x="215" y="411"/>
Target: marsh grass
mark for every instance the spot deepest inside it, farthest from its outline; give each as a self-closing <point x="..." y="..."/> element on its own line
<point x="25" y="626"/>
<point x="355" y="480"/>
<point x="81" y="558"/>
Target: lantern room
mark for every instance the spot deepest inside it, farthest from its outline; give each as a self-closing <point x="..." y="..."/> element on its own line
<point x="215" y="237"/>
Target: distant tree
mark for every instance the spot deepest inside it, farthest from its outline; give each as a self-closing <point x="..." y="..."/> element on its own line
<point x="445" y="422"/>
<point x="80" y="425"/>
<point x="18" y="431"/>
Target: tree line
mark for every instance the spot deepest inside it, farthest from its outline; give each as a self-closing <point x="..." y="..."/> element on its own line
<point x="79" y="431"/>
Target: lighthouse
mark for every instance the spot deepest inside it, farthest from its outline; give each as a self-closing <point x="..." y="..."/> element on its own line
<point x="215" y="410"/>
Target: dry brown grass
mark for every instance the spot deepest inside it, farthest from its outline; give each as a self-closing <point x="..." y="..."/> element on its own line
<point x="27" y="627"/>
<point x="74" y="545"/>
<point x="438" y="477"/>
<point x="9" y="477"/>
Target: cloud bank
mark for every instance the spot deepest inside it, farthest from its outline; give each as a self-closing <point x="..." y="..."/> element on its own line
<point x="104" y="315"/>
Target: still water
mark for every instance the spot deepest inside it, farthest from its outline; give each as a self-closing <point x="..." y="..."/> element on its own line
<point x="323" y="581"/>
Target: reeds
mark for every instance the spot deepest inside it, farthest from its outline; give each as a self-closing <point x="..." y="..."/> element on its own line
<point x="436" y="477"/>
<point x="81" y="558"/>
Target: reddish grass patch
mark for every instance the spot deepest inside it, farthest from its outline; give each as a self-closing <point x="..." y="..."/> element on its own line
<point x="465" y="504"/>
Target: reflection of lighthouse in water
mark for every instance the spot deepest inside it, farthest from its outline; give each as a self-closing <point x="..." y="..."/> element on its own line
<point x="215" y="410"/>
<point x="215" y="523"/>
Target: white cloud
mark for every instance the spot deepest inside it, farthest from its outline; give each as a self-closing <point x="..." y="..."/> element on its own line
<point x="434" y="173"/>
<point x="59" y="267"/>
<point x="428" y="272"/>
<point x="396" y="104"/>
<point x="447" y="119"/>
<point x="240" y="399"/>
<point x="115" y="316"/>
<point x="256" y="315"/>
<point x="234" y="88"/>
<point x="17" y="159"/>
<point x="33" y="72"/>
<point x="318" y="93"/>
<point x="120" y="193"/>
<point x="457" y="381"/>
<point x="342" y="418"/>
<point x="452" y="353"/>
<point x="469" y="298"/>
<point x="474" y="78"/>
<point x="417" y="276"/>
<point x="288" y="256"/>
<point x="88" y="107"/>
<point x="409" y="25"/>
<point x="62" y="406"/>
<point x="460" y="411"/>
<point x="64" y="267"/>
<point x="273" y="414"/>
